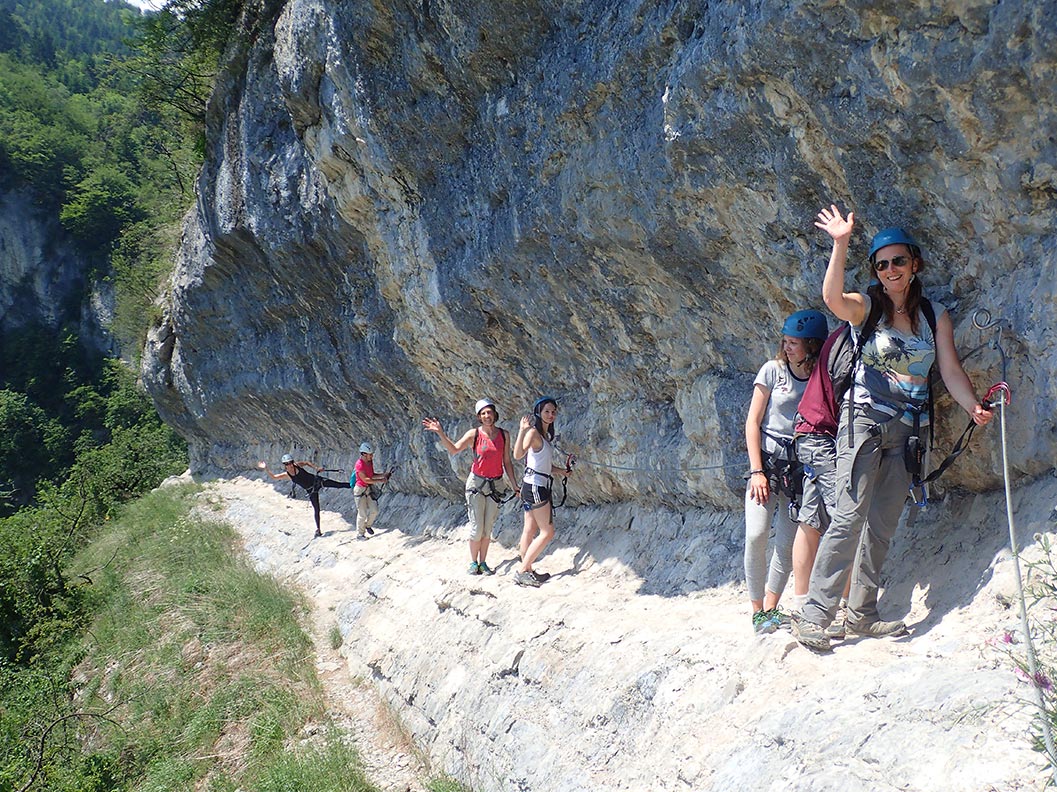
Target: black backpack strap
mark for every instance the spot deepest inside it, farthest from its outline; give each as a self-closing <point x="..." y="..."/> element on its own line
<point x="930" y="314"/>
<point x="963" y="442"/>
<point x="873" y="318"/>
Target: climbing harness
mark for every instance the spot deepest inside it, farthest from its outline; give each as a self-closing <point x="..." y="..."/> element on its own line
<point x="784" y="470"/>
<point x="317" y="479"/>
<point x="570" y="460"/>
<point x="370" y="491"/>
<point x="915" y="452"/>
<point x="489" y="483"/>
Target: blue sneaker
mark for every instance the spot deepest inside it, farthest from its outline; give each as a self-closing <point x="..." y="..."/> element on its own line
<point x="780" y="618"/>
<point x="474" y="569"/>
<point x="762" y="623"/>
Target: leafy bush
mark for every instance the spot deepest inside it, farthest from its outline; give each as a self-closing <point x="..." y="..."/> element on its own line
<point x="39" y="606"/>
<point x="22" y="450"/>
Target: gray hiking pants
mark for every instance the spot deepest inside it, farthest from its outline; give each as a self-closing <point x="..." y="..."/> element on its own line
<point x="872" y="487"/>
<point x="366" y="509"/>
<point x="758" y="521"/>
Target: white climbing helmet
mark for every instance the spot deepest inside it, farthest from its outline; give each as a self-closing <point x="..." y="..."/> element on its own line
<point x="365" y="448"/>
<point x="482" y="403"/>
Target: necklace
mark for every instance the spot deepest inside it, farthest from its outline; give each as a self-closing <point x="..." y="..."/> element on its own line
<point x="902" y="310"/>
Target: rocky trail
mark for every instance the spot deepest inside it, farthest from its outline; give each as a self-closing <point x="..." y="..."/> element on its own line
<point x="600" y="681"/>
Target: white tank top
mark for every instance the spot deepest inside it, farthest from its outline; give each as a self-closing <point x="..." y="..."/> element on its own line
<point x="540" y="461"/>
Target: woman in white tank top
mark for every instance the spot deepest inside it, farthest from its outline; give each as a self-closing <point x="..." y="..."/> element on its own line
<point x="534" y="445"/>
<point x="538" y="464"/>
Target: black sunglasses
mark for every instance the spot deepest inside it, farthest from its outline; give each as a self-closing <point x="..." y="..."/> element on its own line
<point x="895" y="261"/>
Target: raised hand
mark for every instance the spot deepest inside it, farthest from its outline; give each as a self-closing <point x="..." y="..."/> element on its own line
<point x="431" y="425"/>
<point x="262" y="465"/>
<point x="830" y="221"/>
<point x="526" y="423"/>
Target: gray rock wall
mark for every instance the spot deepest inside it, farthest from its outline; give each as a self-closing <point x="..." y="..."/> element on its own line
<point x="409" y="205"/>
<point x="42" y="276"/>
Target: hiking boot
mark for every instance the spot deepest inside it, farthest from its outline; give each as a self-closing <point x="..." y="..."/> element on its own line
<point x="810" y="635"/>
<point x="762" y="623"/>
<point x="876" y="629"/>
<point x="542" y="577"/>
<point x="838" y="627"/>
<point x="475" y="569"/>
<point x="370" y="531"/>
<point x="526" y="579"/>
<point x="484" y="569"/>
<point x="361" y="537"/>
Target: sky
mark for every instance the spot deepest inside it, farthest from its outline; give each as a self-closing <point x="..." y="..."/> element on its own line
<point x="146" y="5"/>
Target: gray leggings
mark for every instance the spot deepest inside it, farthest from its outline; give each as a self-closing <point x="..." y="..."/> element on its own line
<point x="757" y="529"/>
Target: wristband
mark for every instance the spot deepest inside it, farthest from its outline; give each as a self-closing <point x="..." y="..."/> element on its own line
<point x="754" y="472"/>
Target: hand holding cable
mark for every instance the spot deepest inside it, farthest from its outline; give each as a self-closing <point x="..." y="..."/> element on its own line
<point x="984" y="411"/>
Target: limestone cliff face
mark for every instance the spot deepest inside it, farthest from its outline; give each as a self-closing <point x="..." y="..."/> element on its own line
<point x="409" y="205"/>
<point x="42" y="276"/>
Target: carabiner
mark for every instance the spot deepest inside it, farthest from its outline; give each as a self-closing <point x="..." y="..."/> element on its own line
<point x="998" y="387"/>
<point x="924" y="497"/>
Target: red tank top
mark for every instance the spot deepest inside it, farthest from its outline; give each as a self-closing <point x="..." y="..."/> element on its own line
<point x="488" y="454"/>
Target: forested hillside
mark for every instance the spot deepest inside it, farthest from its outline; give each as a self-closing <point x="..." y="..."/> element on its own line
<point x="85" y="136"/>
<point x="79" y="125"/>
<point x="65" y="33"/>
<point x="90" y="137"/>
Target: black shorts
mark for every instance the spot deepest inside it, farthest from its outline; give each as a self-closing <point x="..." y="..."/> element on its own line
<point x="533" y="496"/>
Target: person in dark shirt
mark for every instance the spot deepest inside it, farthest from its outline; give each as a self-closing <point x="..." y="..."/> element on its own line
<point x="312" y="483"/>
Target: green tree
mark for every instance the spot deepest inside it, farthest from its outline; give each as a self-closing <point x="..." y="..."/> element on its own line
<point x="99" y="207"/>
<point x="23" y="454"/>
<point x="39" y="605"/>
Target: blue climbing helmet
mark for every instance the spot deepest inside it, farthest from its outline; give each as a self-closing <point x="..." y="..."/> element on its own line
<point x="893" y="236"/>
<point x="537" y="408"/>
<point x="806" y="324"/>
